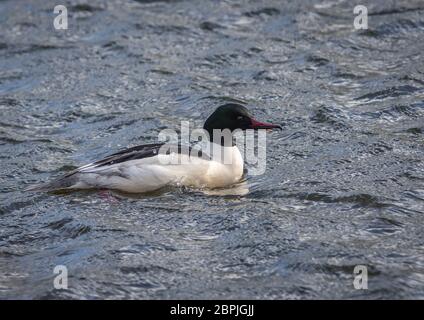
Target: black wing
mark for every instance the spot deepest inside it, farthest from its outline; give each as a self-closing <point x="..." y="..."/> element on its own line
<point x="141" y="152"/>
<point x="133" y="153"/>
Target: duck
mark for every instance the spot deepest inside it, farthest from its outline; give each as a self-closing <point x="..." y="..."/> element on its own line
<point x="149" y="167"/>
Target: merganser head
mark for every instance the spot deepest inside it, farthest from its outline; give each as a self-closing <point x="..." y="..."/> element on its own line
<point x="234" y="116"/>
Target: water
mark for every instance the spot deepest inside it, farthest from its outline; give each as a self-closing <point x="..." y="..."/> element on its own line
<point x="344" y="179"/>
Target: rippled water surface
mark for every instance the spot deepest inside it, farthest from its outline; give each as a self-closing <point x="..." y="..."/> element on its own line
<point x="344" y="182"/>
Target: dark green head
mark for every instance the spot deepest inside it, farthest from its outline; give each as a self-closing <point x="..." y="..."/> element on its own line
<point x="234" y="116"/>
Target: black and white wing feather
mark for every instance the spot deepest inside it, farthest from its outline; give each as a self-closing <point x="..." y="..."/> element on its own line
<point x="110" y="164"/>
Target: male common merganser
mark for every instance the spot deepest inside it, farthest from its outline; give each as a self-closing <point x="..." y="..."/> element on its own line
<point x="145" y="168"/>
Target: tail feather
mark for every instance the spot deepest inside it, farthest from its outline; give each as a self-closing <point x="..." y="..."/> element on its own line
<point x="65" y="182"/>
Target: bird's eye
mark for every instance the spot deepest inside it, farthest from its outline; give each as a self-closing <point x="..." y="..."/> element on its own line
<point x="240" y="117"/>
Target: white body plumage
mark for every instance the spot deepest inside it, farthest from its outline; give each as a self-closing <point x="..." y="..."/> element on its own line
<point x="152" y="173"/>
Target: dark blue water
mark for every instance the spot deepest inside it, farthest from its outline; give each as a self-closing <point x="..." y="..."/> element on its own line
<point x="344" y="183"/>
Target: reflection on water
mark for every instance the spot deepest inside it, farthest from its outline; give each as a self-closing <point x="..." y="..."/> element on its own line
<point x="344" y="179"/>
<point x="239" y="189"/>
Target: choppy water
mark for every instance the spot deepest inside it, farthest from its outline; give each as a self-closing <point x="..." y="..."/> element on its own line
<point x="344" y="183"/>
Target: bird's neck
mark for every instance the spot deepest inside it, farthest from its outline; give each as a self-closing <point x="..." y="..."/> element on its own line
<point x="226" y="139"/>
<point x="225" y="154"/>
